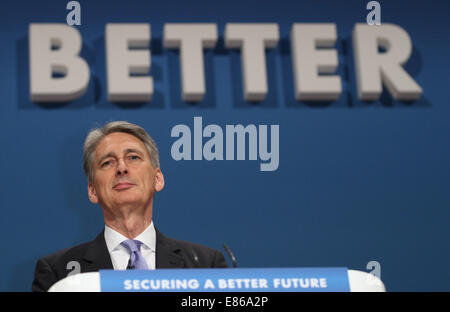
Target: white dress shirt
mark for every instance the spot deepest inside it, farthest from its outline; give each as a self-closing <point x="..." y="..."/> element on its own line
<point x="120" y="255"/>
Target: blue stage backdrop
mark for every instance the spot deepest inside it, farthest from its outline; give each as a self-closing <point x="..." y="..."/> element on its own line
<point x="357" y="181"/>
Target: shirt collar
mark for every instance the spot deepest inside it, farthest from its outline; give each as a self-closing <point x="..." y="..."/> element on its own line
<point x="114" y="238"/>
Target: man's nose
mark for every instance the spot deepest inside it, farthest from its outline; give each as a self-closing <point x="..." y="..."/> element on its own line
<point x="121" y="167"/>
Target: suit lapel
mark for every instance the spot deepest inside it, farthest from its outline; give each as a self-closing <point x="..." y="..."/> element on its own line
<point x="167" y="253"/>
<point x="97" y="256"/>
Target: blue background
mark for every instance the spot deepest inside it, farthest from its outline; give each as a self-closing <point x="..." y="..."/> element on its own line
<point x="357" y="181"/>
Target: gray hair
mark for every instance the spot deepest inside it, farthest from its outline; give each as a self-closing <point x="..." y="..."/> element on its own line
<point x="97" y="134"/>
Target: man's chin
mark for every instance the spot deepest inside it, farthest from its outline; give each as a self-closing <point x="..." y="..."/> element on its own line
<point x="127" y="198"/>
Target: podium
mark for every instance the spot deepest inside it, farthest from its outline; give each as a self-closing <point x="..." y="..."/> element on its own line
<point x="223" y="280"/>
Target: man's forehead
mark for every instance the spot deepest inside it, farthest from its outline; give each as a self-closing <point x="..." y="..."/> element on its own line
<point x="119" y="142"/>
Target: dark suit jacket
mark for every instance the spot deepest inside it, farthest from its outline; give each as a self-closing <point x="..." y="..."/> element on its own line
<point x="94" y="256"/>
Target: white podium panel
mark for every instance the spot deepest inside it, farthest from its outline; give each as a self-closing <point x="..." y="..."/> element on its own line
<point x="90" y="282"/>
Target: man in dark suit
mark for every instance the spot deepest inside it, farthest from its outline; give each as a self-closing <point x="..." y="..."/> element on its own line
<point x="121" y="163"/>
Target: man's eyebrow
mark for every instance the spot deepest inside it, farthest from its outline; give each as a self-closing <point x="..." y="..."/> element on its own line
<point x="132" y="150"/>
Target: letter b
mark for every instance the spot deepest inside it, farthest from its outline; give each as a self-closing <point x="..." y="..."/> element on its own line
<point x="65" y="59"/>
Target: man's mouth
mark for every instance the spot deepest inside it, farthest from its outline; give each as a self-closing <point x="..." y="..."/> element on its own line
<point x="122" y="186"/>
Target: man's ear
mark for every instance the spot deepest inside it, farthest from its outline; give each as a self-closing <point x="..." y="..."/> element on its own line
<point x="92" y="193"/>
<point x="159" y="180"/>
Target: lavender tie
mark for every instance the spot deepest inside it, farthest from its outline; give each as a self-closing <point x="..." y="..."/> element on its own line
<point x="137" y="261"/>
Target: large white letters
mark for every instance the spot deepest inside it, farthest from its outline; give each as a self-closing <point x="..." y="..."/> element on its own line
<point x="121" y="62"/>
<point x="59" y="74"/>
<point x="253" y="39"/>
<point x="191" y="39"/>
<point x="374" y="67"/>
<point x="308" y="62"/>
<point x="54" y="49"/>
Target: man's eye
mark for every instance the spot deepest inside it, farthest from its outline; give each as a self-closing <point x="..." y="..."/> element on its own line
<point x="134" y="157"/>
<point x="106" y="164"/>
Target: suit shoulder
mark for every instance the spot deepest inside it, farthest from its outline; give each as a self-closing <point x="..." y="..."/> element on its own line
<point x="53" y="267"/>
<point x="66" y="255"/>
<point x="182" y="244"/>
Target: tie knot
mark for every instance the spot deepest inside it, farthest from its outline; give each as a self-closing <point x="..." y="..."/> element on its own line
<point x="132" y="245"/>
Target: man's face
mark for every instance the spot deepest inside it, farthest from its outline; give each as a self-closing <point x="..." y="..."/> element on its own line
<point x="124" y="178"/>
